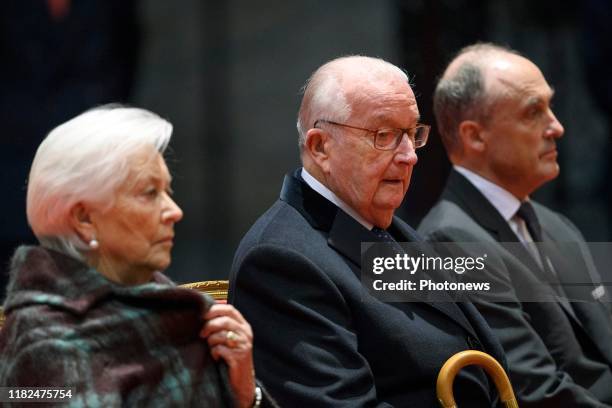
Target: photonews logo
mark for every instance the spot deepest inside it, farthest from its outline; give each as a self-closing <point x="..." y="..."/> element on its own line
<point x="486" y="271"/>
<point x="422" y="271"/>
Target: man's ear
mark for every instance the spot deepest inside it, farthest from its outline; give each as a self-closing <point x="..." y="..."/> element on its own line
<point x="80" y="220"/>
<point x="317" y="147"/>
<point x="471" y="135"/>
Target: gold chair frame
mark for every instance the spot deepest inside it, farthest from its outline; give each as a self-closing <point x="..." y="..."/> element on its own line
<point x="217" y="289"/>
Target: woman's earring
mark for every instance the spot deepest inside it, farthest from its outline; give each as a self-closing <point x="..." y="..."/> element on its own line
<point x="94" y="244"/>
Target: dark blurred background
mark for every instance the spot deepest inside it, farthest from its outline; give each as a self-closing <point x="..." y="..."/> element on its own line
<point x="227" y="74"/>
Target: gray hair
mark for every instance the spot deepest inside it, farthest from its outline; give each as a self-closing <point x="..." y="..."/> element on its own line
<point x="85" y="160"/>
<point x="462" y="95"/>
<point x="325" y="92"/>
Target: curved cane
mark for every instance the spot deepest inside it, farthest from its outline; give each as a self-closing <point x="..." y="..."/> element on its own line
<point x="449" y="370"/>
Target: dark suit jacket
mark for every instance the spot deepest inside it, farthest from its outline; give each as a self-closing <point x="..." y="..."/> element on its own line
<point x="320" y="339"/>
<point x="559" y="353"/>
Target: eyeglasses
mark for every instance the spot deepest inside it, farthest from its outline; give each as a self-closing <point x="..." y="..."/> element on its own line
<point x="390" y="138"/>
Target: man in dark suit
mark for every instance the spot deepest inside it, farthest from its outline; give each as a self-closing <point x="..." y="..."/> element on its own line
<point x="320" y="339"/>
<point x="493" y="109"/>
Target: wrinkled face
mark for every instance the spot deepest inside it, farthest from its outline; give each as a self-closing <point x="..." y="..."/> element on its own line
<point x="136" y="234"/>
<point x="371" y="181"/>
<point x="522" y="130"/>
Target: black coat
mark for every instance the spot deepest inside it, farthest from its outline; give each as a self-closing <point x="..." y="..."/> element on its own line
<point x="320" y="339"/>
<point x="559" y="353"/>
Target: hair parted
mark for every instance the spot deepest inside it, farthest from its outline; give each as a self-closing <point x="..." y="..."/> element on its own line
<point x="85" y="160"/>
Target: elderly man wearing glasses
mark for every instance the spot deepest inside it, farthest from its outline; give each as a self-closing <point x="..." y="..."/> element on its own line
<point x="322" y="340"/>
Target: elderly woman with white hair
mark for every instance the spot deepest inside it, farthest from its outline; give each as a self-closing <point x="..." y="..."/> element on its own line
<point x="89" y="309"/>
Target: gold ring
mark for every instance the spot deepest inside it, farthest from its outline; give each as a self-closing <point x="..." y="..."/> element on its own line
<point x="231" y="338"/>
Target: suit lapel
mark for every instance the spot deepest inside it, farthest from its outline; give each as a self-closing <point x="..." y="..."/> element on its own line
<point x="316" y="209"/>
<point x="345" y="234"/>
<point x="571" y="267"/>
<point x="463" y="193"/>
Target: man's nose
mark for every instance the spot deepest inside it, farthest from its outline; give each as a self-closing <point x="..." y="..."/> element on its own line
<point x="405" y="152"/>
<point x="555" y="128"/>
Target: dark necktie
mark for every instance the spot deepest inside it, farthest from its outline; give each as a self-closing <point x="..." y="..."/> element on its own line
<point x="527" y="213"/>
<point x="383" y="235"/>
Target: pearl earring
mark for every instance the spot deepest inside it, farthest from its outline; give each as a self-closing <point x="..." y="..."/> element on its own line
<point x="94" y="244"/>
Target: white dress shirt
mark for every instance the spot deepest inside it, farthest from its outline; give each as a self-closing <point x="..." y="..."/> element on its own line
<point x="317" y="186"/>
<point x="506" y="204"/>
<point x="503" y="201"/>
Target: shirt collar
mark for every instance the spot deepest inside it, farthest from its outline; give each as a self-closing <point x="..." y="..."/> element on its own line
<point x="317" y="186"/>
<point x="504" y="201"/>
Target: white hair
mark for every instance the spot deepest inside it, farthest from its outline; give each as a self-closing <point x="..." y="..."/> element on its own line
<point x="324" y="98"/>
<point x="85" y="160"/>
<point x="325" y="92"/>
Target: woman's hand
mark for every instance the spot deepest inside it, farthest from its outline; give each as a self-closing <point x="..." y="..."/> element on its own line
<point x="230" y="337"/>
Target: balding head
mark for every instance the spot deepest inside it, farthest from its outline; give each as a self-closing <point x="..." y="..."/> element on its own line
<point x="463" y="92"/>
<point x="493" y="108"/>
<point x="337" y="87"/>
<point x="355" y="99"/>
